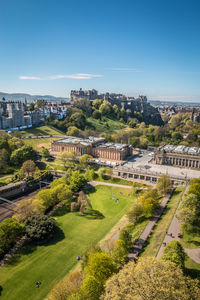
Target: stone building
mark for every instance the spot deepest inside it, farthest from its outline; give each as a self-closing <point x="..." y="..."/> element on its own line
<point x="95" y="146"/>
<point x="179" y="156"/>
<point x="89" y="94"/>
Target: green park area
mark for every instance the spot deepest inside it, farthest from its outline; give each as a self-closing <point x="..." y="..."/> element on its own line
<point x="76" y="233"/>
<point x="108" y="125"/>
<point x="42" y="130"/>
<point x="158" y="235"/>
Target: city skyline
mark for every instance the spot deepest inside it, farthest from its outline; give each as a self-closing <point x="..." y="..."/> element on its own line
<point x="130" y="47"/>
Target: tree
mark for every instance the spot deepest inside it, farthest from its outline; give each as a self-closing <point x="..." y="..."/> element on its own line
<point x="67" y="287"/>
<point x="76" y="181"/>
<point x="101" y="266"/>
<point x="22" y="154"/>
<point x="101" y="172"/>
<point x="83" y="104"/>
<point x="96" y="103"/>
<point x="4" y="158"/>
<point x="39" y="227"/>
<point x="23" y="210"/>
<point x="164" y="184"/>
<point x="96" y="114"/>
<point x="106" y="108"/>
<point x="119" y="253"/>
<point x="45" y="199"/>
<point x="28" y="168"/>
<point x="151" y="279"/>
<point x="91" y="288"/>
<point x="135" y="213"/>
<point x="73" y="131"/>
<point x="68" y="159"/>
<point x="45" y="153"/>
<point x="174" y="252"/>
<point x="85" y="160"/>
<point x="10" y="230"/>
<point x="78" y="119"/>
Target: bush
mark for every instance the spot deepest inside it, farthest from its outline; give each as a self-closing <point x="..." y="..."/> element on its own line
<point x="10" y="230"/>
<point x="119" y="253"/>
<point x="174" y="252"/>
<point x="91" y="287"/>
<point x="39" y="227"/>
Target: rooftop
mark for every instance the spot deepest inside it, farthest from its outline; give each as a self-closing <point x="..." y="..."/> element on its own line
<point x="87" y="141"/>
<point x="181" y="149"/>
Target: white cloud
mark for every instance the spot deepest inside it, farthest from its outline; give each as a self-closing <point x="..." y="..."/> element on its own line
<point x="70" y="76"/>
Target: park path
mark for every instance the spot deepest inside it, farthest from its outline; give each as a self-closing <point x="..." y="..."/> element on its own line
<point x="95" y="183"/>
<point x="140" y="243"/>
<point x="173" y="234"/>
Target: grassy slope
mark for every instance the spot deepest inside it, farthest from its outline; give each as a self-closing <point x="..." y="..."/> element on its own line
<point x="49" y="263"/>
<point x="159" y="232"/>
<point x="100" y="125"/>
<point x="42" y="130"/>
<point x="38" y="144"/>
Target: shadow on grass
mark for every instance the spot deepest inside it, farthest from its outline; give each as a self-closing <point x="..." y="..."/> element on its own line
<point x="61" y="211"/>
<point x="1" y="289"/>
<point x="90" y="189"/>
<point x="193" y="273"/>
<point x="31" y="247"/>
<point x="57" y="237"/>
<point x="92" y="214"/>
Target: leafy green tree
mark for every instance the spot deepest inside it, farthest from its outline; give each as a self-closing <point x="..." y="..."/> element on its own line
<point x="85" y="160"/>
<point x="101" y="266"/>
<point x="10" y="230"/>
<point x="119" y="253"/>
<point x="22" y="154"/>
<point x="78" y="119"/>
<point x="106" y="108"/>
<point x="84" y="105"/>
<point x="96" y="103"/>
<point x="45" y="153"/>
<point x="151" y="279"/>
<point x="135" y="213"/>
<point x="91" y="288"/>
<point x="39" y="227"/>
<point x="4" y="158"/>
<point x="90" y="175"/>
<point x="73" y="131"/>
<point x="174" y="252"/>
<point x="76" y="181"/>
<point x="86" y="255"/>
<point x="96" y="114"/>
<point x="68" y="159"/>
<point x="102" y="172"/>
<point x="23" y="210"/>
<point x="45" y="199"/>
<point x="164" y="184"/>
<point x="28" y="168"/>
<point x="67" y="287"/>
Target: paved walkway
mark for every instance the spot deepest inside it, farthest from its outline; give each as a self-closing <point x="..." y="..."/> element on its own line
<point x="193" y="254"/>
<point x="95" y="183"/>
<point x="140" y="243"/>
<point x="174" y="229"/>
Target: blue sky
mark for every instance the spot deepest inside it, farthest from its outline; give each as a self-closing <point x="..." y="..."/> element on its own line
<point x="149" y="47"/>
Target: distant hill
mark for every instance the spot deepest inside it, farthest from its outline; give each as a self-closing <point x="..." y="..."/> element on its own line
<point x="21" y="97"/>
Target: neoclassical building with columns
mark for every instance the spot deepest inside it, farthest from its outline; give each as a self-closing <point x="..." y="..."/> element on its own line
<point x="179" y="156"/>
<point x="95" y="146"/>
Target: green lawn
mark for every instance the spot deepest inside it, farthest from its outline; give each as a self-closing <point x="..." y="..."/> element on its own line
<point x="42" y="130"/>
<point x="159" y="232"/>
<point x="51" y="262"/>
<point x="105" y="126"/>
<point x="38" y="144"/>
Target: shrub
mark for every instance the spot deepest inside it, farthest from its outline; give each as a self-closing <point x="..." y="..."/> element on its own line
<point x="39" y="227"/>
<point x="10" y="230"/>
